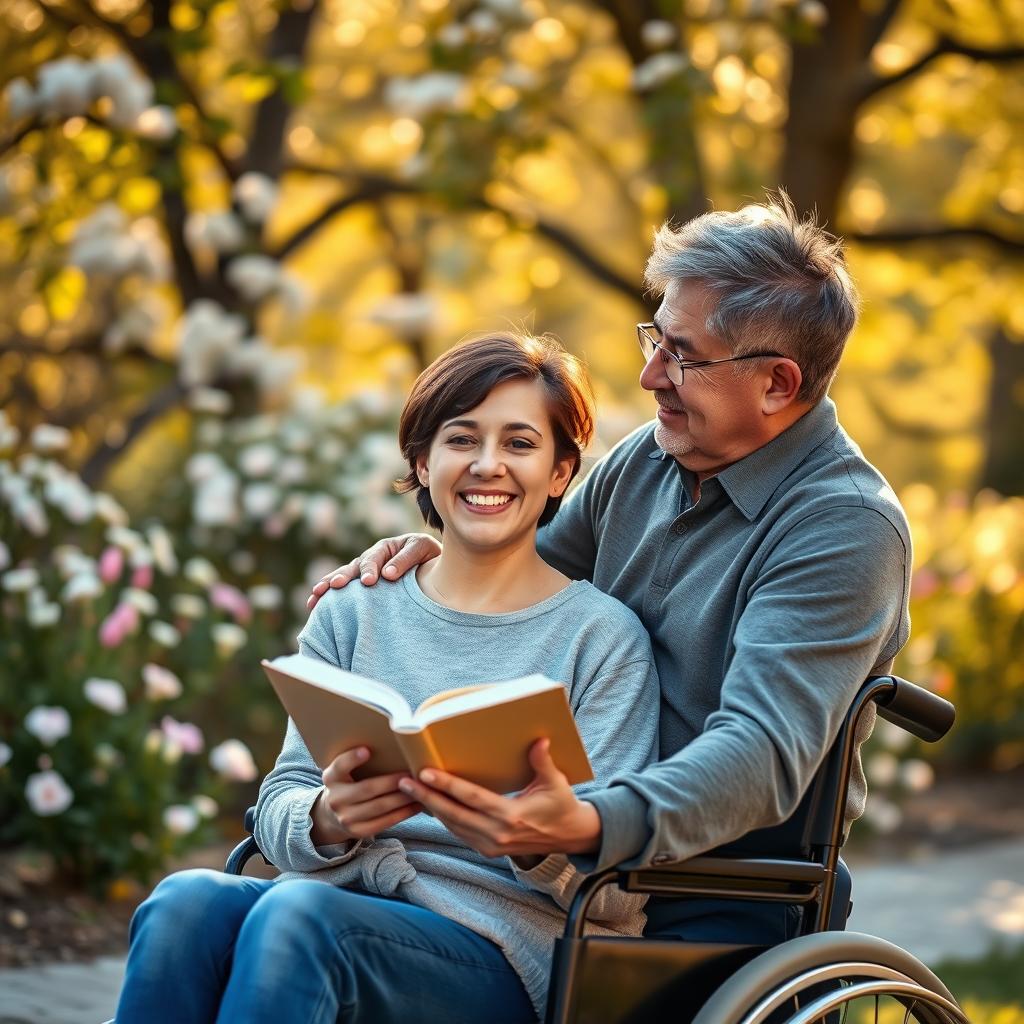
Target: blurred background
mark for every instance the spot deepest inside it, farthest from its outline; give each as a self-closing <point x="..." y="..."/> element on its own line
<point x="232" y="232"/>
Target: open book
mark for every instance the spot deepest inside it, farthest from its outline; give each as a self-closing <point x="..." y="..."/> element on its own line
<point x="482" y="733"/>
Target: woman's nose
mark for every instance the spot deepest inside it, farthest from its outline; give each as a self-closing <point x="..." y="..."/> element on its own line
<point x="488" y="463"/>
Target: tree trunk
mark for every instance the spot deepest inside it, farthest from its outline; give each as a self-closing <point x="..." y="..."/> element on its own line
<point x="1003" y="469"/>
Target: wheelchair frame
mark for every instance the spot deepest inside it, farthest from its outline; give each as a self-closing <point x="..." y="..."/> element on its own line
<point x="637" y="979"/>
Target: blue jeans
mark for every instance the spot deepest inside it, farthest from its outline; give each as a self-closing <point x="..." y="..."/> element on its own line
<point x="211" y="947"/>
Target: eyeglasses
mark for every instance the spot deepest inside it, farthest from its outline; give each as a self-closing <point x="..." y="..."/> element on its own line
<point x="674" y="365"/>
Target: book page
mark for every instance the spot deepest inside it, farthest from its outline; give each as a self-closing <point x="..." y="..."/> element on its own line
<point x="482" y="695"/>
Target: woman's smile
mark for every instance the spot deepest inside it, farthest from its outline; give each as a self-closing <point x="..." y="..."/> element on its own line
<point x="486" y="502"/>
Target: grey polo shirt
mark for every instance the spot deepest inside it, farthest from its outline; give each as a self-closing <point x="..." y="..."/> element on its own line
<point x="768" y="602"/>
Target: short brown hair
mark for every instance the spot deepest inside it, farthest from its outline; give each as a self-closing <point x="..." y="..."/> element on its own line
<point x="465" y="375"/>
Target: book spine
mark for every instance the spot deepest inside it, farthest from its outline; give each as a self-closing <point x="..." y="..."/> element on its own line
<point x="419" y="750"/>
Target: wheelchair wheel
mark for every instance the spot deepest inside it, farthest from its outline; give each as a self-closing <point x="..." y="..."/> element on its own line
<point x="833" y="978"/>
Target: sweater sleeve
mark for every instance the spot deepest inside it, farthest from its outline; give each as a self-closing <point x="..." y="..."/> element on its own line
<point x="617" y="716"/>
<point x="827" y="607"/>
<point x="284" y="807"/>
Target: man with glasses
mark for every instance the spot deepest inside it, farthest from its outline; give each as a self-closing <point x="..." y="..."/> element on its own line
<point x="769" y="561"/>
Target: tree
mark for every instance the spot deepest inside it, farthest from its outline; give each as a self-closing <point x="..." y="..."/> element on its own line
<point x="348" y="149"/>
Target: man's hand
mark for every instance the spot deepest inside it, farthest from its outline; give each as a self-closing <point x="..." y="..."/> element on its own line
<point x="349" y="810"/>
<point x="392" y="557"/>
<point x="546" y="817"/>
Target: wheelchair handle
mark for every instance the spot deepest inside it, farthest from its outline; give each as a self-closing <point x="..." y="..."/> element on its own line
<point x="921" y="712"/>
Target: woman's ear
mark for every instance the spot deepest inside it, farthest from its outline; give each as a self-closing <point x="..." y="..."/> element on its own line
<point x="561" y="475"/>
<point x="422" y="473"/>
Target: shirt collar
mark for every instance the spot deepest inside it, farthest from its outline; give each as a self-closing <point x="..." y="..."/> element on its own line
<point x="755" y="478"/>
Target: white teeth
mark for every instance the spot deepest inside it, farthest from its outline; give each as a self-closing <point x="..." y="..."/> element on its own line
<point x="488" y="499"/>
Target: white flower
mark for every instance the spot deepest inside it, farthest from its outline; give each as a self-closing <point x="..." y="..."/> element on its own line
<point x="65" y="87"/>
<point x="233" y="761"/>
<point x="21" y="99"/>
<point x="293" y="470"/>
<point x="161" y="683"/>
<point x="180" y="819"/>
<point x="5" y="754"/>
<point x="143" y="600"/>
<point x="203" y="466"/>
<point x="205" y="805"/>
<point x="157" y="123"/>
<point x="426" y="94"/>
<point x="201" y="571"/>
<point x="17" y="581"/>
<point x="453" y="35"/>
<point x="657" y="34"/>
<point x="219" y="230"/>
<point x="484" y="26"/>
<point x="258" y="459"/>
<point x="207" y="335"/>
<point x="256" y="195"/>
<point x="255" y="276"/>
<point x="71" y="496"/>
<point x="5" y="556"/>
<point x="130" y="92"/>
<point x="29" y="511"/>
<point x="110" y="510"/>
<point x="43" y="614"/>
<point x="657" y="70"/>
<point x="47" y="793"/>
<point x="164" y="634"/>
<point x="188" y="606"/>
<point x="265" y="596"/>
<point x="10" y="435"/>
<point x="228" y="638"/>
<point x="107" y="694"/>
<point x="322" y="516"/>
<point x="162" y="547"/>
<point x="127" y="540"/>
<point x="408" y="314"/>
<point x="259" y="500"/>
<point x="215" y="501"/>
<point x="48" y="723"/>
<point x="213" y="401"/>
<point x="917" y="775"/>
<point x="83" y="586"/>
<point x="108" y="756"/>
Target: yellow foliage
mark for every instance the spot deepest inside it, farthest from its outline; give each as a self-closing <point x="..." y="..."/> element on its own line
<point x="64" y="292"/>
<point x="139" y="195"/>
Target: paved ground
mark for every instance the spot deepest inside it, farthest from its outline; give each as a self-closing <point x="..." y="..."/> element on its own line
<point x="948" y="905"/>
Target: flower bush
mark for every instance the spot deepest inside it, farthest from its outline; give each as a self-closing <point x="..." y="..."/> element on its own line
<point x="130" y="652"/>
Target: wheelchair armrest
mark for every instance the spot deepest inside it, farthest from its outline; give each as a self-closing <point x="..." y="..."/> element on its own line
<point x="246" y="849"/>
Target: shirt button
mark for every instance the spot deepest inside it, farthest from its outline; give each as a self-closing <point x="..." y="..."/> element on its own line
<point x="679" y="529"/>
<point x="661" y="858"/>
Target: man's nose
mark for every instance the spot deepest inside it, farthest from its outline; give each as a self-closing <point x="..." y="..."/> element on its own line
<point x="653" y="376"/>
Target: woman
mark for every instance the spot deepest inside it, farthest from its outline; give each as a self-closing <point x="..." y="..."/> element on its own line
<point x="416" y="924"/>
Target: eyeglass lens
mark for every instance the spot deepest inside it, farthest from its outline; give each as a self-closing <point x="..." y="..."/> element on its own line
<point x="648" y="345"/>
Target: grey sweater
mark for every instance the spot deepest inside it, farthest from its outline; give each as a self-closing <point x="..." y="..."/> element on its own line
<point x="768" y="601"/>
<point x="581" y="637"/>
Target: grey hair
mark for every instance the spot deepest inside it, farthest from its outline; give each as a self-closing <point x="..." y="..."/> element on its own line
<point x="781" y="283"/>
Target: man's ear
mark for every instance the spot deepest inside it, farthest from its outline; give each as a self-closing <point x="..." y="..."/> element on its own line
<point x="782" y="386"/>
<point x="561" y="475"/>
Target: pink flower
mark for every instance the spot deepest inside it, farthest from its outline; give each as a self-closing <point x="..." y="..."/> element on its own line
<point x="232" y="760"/>
<point x="47" y="793"/>
<point x="124" y="619"/>
<point x="111" y="564"/>
<point x="186" y="735"/>
<point x="143" y="577"/>
<point x="231" y="600"/>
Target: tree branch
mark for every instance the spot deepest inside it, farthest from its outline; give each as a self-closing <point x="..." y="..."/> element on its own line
<point x="914" y="430"/>
<point x="96" y="466"/>
<point x="876" y="83"/>
<point x="8" y="144"/>
<point x="879" y="23"/>
<point x="901" y="236"/>
<point x="373" y="187"/>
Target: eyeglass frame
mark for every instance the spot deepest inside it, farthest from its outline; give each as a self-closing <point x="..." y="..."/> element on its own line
<point x="693" y="364"/>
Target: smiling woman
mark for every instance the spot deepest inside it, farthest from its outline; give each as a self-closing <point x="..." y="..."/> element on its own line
<point x="493" y="433"/>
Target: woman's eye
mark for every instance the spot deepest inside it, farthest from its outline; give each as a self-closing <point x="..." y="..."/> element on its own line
<point x="521" y="444"/>
<point x="461" y="441"/>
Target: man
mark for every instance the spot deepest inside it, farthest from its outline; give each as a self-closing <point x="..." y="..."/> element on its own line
<point x="769" y="561"/>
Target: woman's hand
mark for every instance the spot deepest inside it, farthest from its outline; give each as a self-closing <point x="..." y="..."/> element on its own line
<point x="393" y="556"/>
<point x="348" y="810"/>
<point x="546" y="817"/>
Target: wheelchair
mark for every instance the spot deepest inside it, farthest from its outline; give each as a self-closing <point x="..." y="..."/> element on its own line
<point x="824" y="975"/>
